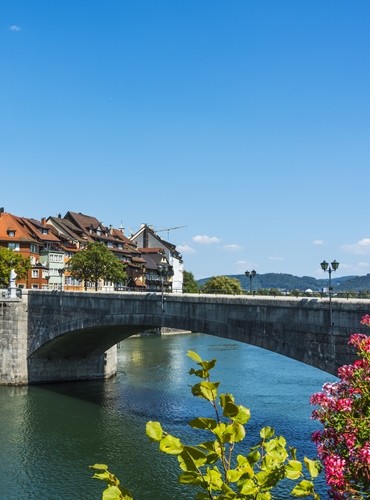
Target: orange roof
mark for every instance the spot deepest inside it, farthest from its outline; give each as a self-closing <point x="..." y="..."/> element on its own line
<point x="11" y="223"/>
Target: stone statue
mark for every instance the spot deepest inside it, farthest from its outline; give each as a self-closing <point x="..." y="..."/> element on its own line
<point x="12" y="287"/>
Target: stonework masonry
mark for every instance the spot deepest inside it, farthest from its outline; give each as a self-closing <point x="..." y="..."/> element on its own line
<point x="51" y="336"/>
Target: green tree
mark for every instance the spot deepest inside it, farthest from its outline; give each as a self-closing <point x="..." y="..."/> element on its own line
<point x="10" y="260"/>
<point x="96" y="262"/>
<point x="189" y="284"/>
<point x="222" y="284"/>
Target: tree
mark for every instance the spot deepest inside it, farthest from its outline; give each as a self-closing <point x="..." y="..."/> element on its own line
<point x="10" y="260"/>
<point x="189" y="283"/>
<point x="223" y="284"/>
<point x="96" y="262"/>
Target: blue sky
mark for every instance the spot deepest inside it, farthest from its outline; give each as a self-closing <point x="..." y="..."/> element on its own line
<point x="247" y="121"/>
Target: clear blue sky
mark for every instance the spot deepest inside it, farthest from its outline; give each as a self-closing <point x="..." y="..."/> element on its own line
<point x="247" y="121"/>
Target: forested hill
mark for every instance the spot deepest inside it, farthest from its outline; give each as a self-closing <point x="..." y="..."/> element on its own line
<point x="283" y="281"/>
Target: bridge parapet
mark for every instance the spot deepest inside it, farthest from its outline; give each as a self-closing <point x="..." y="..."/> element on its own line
<point x="49" y="336"/>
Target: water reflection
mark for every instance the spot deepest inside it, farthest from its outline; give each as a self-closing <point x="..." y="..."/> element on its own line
<point x="50" y="434"/>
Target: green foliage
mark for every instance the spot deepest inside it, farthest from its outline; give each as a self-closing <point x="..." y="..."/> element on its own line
<point x="223" y="285"/>
<point x="211" y="466"/>
<point x="11" y="260"/>
<point x="113" y="490"/>
<point x="189" y="283"/>
<point x="94" y="263"/>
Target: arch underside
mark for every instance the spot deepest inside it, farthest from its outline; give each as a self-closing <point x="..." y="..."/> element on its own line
<point x="82" y="349"/>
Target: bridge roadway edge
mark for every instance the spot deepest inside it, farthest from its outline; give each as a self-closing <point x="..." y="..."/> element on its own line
<point x="57" y="336"/>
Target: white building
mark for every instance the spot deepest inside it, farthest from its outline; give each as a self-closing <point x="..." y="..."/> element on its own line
<point x="146" y="237"/>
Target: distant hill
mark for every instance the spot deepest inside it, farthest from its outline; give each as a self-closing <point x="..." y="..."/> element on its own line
<point x="284" y="282"/>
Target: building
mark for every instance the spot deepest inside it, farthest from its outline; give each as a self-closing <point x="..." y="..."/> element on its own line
<point x="26" y="237"/>
<point x="151" y="263"/>
<point x="147" y="239"/>
<point x="122" y="247"/>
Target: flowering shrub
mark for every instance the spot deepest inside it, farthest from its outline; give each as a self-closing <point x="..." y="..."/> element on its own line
<point x="344" y="410"/>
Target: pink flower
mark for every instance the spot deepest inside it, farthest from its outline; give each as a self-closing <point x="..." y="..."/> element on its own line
<point x="344" y="404"/>
<point x="334" y="471"/>
<point x="364" y="454"/>
<point x="365" y="320"/>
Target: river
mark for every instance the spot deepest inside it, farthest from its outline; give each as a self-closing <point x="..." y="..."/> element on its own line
<point x="50" y="434"/>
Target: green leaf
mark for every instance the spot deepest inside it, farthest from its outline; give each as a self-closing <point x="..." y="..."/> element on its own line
<point x="243" y="469"/>
<point x="204" y="374"/>
<point x="194" y="356"/>
<point x="243" y="415"/>
<point x="114" y="493"/>
<point x="267" y="432"/>
<point x="208" y="365"/>
<point x="293" y="469"/>
<point x="206" y="390"/>
<point x="303" y="489"/>
<point x="193" y="478"/>
<point x="236" y="432"/>
<point x="171" y="445"/>
<point x="226" y="398"/>
<point x="264" y="496"/>
<point x="313" y="467"/>
<point x="102" y="476"/>
<point x="99" y="467"/>
<point x="230" y="409"/>
<point x="154" y="430"/>
<point x="214" y="478"/>
<point x="248" y="488"/>
<point x="203" y="423"/>
<point x="253" y="457"/>
<point x="269" y="478"/>
<point x="191" y="458"/>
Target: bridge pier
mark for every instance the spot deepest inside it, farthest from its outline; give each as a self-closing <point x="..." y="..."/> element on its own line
<point x="43" y="369"/>
<point x="13" y="341"/>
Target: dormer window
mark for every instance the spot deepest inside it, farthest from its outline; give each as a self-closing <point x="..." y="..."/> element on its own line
<point x="11" y="233"/>
<point x="44" y="230"/>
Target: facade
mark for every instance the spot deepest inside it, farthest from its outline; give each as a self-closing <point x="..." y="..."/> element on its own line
<point x="146" y="238"/>
<point x="151" y="263"/>
<point x="118" y="244"/>
<point x="154" y="259"/>
<point x="17" y="234"/>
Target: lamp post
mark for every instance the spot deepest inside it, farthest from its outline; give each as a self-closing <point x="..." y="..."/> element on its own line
<point x="250" y="275"/>
<point x="163" y="271"/>
<point x="325" y="266"/>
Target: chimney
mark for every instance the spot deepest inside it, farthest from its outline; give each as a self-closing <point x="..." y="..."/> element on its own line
<point x="43" y="221"/>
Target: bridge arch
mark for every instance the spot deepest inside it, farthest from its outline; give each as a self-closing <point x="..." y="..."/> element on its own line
<point x="72" y="336"/>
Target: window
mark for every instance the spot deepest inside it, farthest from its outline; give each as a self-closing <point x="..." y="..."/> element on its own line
<point x="11" y="233"/>
<point x="33" y="248"/>
<point x="54" y="257"/>
<point x="14" y="246"/>
<point x="35" y="273"/>
<point x="35" y="286"/>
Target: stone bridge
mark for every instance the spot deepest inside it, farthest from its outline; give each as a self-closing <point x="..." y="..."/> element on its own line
<point x="49" y="336"/>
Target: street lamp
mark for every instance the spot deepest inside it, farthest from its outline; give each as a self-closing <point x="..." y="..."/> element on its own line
<point x="250" y="275"/>
<point x="325" y="266"/>
<point x="163" y="271"/>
